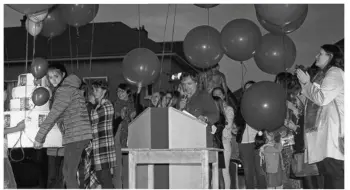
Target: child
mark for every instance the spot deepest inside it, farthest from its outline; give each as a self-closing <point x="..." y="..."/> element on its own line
<point x="269" y="144"/>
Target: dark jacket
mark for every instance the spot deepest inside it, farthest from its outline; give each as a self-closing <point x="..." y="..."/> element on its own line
<point x="202" y="104"/>
<point x="69" y="104"/>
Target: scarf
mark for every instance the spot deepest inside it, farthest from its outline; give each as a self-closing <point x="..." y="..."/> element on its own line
<point x="311" y="108"/>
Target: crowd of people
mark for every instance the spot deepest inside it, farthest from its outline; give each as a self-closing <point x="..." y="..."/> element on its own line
<point x="94" y="129"/>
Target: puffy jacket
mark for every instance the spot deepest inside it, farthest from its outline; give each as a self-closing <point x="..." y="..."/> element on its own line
<point x="69" y="104"/>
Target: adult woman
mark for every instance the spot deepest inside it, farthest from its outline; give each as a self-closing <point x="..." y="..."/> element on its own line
<point x="69" y="105"/>
<point x="102" y="115"/>
<point x="292" y="131"/>
<point x="324" y="139"/>
<point x="227" y="136"/>
<point x="247" y="152"/>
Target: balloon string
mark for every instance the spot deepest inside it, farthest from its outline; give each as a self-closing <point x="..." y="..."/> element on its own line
<point x="242" y="68"/>
<point x="70" y="49"/>
<point x="173" y="33"/>
<point x="92" y="40"/>
<point x="139" y="19"/>
<point x="77" y="46"/>
<point x="164" y="34"/>
<point x="208" y="16"/>
<point x="6" y="54"/>
<point x="34" y="40"/>
<point x="26" y="69"/>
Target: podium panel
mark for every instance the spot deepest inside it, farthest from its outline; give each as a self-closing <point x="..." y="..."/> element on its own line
<point x="164" y="128"/>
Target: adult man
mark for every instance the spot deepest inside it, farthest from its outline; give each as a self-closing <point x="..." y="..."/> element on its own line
<point x="199" y="103"/>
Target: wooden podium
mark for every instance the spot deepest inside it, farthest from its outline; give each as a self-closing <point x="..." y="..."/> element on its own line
<point x="166" y="128"/>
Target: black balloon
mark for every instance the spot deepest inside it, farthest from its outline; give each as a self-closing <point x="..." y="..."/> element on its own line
<point x="263" y="106"/>
<point x="40" y="96"/>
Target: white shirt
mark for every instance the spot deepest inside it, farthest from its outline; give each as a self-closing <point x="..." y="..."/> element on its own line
<point x="249" y="135"/>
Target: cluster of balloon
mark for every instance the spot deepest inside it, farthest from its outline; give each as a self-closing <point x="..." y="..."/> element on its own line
<point x="206" y="6"/>
<point x="79" y="14"/>
<point x="286" y="28"/>
<point x="202" y="46"/>
<point x="263" y="106"/>
<point x="53" y="24"/>
<point x="240" y="38"/>
<point x="39" y="67"/>
<point x="141" y="67"/>
<point x="275" y="54"/>
<point x="40" y="96"/>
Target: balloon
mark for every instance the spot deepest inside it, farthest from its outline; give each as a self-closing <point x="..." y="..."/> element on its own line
<point x="263" y="106"/>
<point x="79" y="14"/>
<point x="202" y="46"/>
<point x="206" y="6"/>
<point x="289" y="28"/>
<point x="40" y="96"/>
<point x="141" y="67"/>
<point x="38" y="17"/>
<point x="30" y="8"/>
<point x="275" y="54"/>
<point x="54" y="25"/>
<point x="39" y="67"/>
<point x="280" y="14"/>
<point x="33" y="28"/>
<point x="240" y="38"/>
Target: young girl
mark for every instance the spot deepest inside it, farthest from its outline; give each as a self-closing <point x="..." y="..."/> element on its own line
<point x="68" y="105"/>
<point x="270" y="148"/>
<point x="104" y="152"/>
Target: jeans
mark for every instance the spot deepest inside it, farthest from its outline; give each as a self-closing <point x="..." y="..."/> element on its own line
<point x="105" y="178"/>
<point x="333" y="172"/>
<point x="55" y="169"/>
<point x="251" y="164"/>
<point x="72" y="156"/>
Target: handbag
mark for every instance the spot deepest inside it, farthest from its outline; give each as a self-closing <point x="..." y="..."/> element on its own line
<point x="301" y="169"/>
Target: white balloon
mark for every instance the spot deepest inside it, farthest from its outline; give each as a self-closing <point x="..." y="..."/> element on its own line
<point x="34" y="28"/>
<point x="38" y="17"/>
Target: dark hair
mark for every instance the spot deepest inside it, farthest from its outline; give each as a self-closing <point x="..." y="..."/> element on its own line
<point x="247" y="83"/>
<point x="192" y="76"/>
<point x="101" y="84"/>
<point x="289" y="82"/>
<point x="125" y="87"/>
<point x="337" y="57"/>
<point x="260" y="140"/>
<point x="219" y="103"/>
<point x="61" y="68"/>
<point x="218" y="88"/>
<point x="5" y="86"/>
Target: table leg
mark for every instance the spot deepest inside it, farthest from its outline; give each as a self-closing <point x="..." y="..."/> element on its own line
<point x="151" y="176"/>
<point x="132" y="171"/>
<point x="215" y="171"/>
<point x="205" y="169"/>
